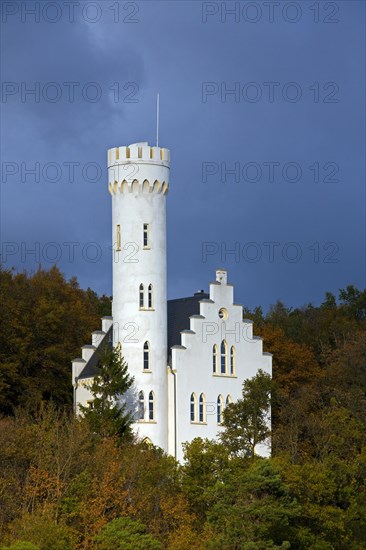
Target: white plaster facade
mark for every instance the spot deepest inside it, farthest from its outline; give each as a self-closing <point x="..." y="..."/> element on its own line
<point x="138" y="183"/>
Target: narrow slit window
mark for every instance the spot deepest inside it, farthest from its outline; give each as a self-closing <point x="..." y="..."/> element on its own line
<point x="151" y="406"/>
<point x="118" y="237"/>
<point x="220" y="407"/>
<point x="150" y="296"/>
<point x="146" y="356"/>
<point x="214" y="359"/>
<point x="223" y="357"/>
<point x="193" y="408"/>
<point x="202" y="406"/>
<point x="141" y="296"/>
<point x="146" y="235"/>
<point x="232" y="360"/>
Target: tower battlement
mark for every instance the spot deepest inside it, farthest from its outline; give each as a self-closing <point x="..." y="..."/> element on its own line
<point x="138" y="168"/>
<point x="140" y="153"/>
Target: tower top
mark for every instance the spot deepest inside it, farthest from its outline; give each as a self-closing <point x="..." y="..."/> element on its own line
<point x="140" y="153"/>
<point x="138" y="168"/>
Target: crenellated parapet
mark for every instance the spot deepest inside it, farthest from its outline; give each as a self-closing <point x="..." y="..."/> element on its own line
<point x="138" y="168"/>
<point x="139" y="152"/>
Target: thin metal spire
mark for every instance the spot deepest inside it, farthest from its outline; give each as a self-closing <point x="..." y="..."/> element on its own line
<point x="157" y="119"/>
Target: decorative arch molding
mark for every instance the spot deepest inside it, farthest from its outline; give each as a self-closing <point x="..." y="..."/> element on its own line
<point x="136" y="186"/>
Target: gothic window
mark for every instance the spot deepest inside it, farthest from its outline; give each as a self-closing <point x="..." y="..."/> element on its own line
<point x="146" y="235"/>
<point x="223" y="353"/>
<point x="220" y="408"/>
<point x="118" y="237"/>
<point x="151" y="406"/>
<point x="202" y="408"/>
<point x="193" y="407"/>
<point x="141" y="296"/>
<point x="228" y="400"/>
<point x="150" y="296"/>
<point x="232" y="360"/>
<point x="141" y="406"/>
<point x="215" y="355"/>
<point x="146" y="356"/>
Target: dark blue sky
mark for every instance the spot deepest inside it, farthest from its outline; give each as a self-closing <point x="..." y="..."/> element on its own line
<point x="294" y="131"/>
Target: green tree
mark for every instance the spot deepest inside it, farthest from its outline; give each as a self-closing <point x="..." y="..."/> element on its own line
<point x="125" y="534"/>
<point x="44" y="532"/>
<point x="247" y="422"/>
<point x="205" y="462"/>
<point x="254" y="509"/>
<point x="21" y="545"/>
<point x="354" y="300"/>
<point x="108" y="415"/>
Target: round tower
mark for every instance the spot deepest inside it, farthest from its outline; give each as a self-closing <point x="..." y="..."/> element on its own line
<point x="138" y="178"/>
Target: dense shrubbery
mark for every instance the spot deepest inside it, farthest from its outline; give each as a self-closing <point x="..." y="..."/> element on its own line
<point x="66" y="485"/>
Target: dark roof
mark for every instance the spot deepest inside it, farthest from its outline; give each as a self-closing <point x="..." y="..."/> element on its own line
<point x="179" y="311"/>
<point x="91" y="367"/>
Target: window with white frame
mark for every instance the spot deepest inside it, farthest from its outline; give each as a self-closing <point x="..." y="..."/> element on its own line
<point x="232" y="360"/>
<point x="215" y="357"/>
<point x="193" y="408"/>
<point x="146" y="235"/>
<point x="202" y="408"/>
<point x="146" y="356"/>
<point x="220" y="408"/>
<point x="151" y="406"/>
<point x="150" y="296"/>
<point x="223" y="354"/>
<point x="141" y="296"/>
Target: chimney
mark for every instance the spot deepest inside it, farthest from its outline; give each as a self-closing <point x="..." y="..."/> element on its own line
<point x="221" y="276"/>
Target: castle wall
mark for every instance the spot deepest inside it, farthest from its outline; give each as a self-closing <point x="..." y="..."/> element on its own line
<point x="193" y="364"/>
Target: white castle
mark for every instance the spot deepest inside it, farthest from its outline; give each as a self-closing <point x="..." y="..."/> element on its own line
<point x="188" y="356"/>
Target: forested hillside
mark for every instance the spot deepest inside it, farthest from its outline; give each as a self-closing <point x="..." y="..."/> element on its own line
<point x="45" y="320"/>
<point x="67" y="485"/>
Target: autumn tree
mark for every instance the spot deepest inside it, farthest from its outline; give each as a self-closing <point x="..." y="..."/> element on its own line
<point x="45" y="319"/>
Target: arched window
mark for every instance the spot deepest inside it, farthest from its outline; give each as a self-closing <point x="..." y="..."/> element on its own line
<point x="220" y="408"/>
<point x="193" y="407"/>
<point x="215" y="356"/>
<point x="232" y="360"/>
<point x="150" y="296"/>
<point x="141" y="406"/>
<point x="141" y="296"/>
<point x="146" y="356"/>
<point x="223" y="357"/>
<point x="202" y="408"/>
<point x="151" y="406"/>
<point x="228" y="400"/>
